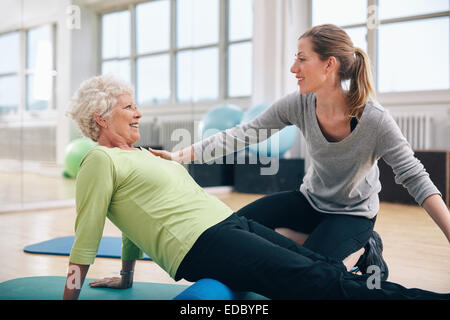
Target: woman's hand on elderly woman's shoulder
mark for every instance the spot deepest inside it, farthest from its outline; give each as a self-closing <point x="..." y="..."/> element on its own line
<point x="162" y="153"/>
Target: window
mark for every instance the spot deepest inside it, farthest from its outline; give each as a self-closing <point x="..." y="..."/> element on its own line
<point x="197" y="61"/>
<point x="9" y="72"/>
<point x="31" y="78"/>
<point x="240" y="26"/>
<point x="343" y="12"/>
<point x="181" y="51"/>
<point x="197" y="74"/>
<point x="420" y="61"/>
<point x="39" y="66"/>
<point x="389" y="9"/>
<point x="116" y="43"/>
<point x="410" y="45"/>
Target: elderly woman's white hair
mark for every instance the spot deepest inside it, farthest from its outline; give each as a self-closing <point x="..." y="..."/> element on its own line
<point x="97" y="94"/>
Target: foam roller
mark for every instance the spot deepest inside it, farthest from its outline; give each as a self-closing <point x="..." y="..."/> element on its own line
<point x="208" y="289"/>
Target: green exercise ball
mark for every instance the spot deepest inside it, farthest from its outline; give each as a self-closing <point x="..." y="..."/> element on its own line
<point x="75" y="151"/>
<point x="66" y="174"/>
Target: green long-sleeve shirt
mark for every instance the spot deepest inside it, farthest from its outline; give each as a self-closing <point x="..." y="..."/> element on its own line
<point x="156" y="204"/>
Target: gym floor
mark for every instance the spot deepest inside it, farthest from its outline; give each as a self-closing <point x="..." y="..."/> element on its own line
<point x="417" y="252"/>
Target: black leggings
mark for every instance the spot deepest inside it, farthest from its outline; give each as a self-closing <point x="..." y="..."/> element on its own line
<point x="247" y="256"/>
<point x="332" y="235"/>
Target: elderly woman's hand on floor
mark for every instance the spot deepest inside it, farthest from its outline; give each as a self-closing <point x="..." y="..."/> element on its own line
<point x="114" y="283"/>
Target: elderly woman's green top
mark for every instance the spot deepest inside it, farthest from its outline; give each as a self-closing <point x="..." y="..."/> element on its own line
<point x="156" y="204"/>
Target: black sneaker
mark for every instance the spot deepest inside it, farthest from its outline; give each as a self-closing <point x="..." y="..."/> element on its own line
<point x="373" y="256"/>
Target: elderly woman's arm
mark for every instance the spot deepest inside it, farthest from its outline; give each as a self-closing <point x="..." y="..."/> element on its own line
<point x="123" y="282"/>
<point x="74" y="282"/>
<point x="94" y="190"/>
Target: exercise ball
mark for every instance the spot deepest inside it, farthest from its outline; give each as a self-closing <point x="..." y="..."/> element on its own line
<point x="66" y="174"/>
<point x="219" y="118"/>
<point x="277" y="144"/>
<point x="75" y="151"/>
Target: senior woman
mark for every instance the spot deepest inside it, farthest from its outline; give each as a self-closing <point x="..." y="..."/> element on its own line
<point x="192" y="235"/>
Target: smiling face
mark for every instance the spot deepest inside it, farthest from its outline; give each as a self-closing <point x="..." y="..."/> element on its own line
<point x="310" y="71"/>
<point x="123" y="125"/>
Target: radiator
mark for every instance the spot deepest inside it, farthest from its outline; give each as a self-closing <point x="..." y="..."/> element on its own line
<point x="416" y="128"/>
<point x="177" y="134"/>
<point x="150" y="132"/>
<point x="170" y="134"/>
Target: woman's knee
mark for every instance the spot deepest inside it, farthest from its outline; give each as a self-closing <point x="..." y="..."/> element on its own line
<point x="339" y="236"/>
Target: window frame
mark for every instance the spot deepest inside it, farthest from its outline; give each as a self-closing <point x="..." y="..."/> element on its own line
<point x="173" y="106"/>
<point x="22" y="114"/>
<point x="397" y="97"/>
<point x="228" y="43"/>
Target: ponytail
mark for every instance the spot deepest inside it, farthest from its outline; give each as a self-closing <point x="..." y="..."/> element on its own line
<point x="361" y="87"/>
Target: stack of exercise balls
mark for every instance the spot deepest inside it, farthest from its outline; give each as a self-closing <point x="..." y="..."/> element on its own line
<point x="74" y="153"/>
<point x="227" y="116"/>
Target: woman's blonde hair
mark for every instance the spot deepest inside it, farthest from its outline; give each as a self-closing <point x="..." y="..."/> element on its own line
<point x="331" y="41"/>
<point x="97" y="94"/>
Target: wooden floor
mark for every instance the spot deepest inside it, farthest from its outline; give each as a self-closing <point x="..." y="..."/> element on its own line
<point x="417" y="252"/>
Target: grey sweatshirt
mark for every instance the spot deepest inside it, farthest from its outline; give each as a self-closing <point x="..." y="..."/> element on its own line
<point x="343" y="177"/>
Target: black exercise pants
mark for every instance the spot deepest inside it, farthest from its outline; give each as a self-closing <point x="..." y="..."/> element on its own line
<point x="332" y="235"/>
<point x="247" y="256"/>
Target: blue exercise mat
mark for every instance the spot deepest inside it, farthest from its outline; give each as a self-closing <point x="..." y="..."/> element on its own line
<point x="110" y="247"/>
<point x="52" y="288"/>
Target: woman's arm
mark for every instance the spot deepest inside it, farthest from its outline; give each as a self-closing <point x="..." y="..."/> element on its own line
<point x="280" y="114"/>
<point x="438" y="211"/>
<point x="393" y="147"/>
<point x="74" y="282"/>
